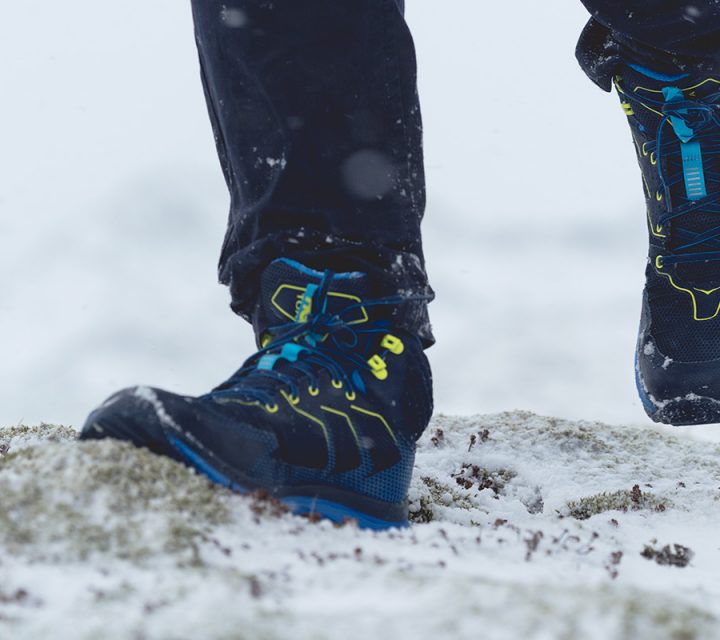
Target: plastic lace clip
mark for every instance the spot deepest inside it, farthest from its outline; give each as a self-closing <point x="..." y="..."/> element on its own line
<point x="378" y="367"/>
<point x="290" y="352"/>
<point x="393" y="344"/>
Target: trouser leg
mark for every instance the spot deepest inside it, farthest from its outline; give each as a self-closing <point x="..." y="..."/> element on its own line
<point x="316" y="117"/>
<point x="665" y="35"/>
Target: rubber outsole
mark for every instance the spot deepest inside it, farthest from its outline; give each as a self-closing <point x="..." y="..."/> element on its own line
<point x="151" y="435"/>
<point x="689" y="411"/>
<point x="679" y="412"/>
<point x="299" y="505"/>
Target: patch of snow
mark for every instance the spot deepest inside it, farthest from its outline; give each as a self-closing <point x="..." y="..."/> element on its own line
<point x="524" y="527"/>
<point x="146" y="393"/>
<point x="275" y="162"/>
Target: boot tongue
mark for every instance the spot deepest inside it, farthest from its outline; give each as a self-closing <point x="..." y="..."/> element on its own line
<point x="287" y="289"/>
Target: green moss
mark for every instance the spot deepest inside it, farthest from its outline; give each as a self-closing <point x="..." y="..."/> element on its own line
<point x="45" y="432"/>
<point x="41" y="518"/>
<point x="437" y="494"/>
<point x="633" y="500"/>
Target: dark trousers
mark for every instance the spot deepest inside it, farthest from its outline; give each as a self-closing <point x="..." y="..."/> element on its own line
<point x="317" y="122"/>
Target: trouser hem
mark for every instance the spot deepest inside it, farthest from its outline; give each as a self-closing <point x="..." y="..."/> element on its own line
<point x="601" y="53"/>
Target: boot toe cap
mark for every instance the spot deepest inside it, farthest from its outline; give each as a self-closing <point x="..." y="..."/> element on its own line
<point x="137" y="415"/>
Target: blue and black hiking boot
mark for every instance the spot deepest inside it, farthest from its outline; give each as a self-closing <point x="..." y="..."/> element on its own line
<point x="675" y="122"/>
<point x="324" y="416"/>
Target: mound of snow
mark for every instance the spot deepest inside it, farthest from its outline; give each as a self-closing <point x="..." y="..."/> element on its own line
<point x="524" y="527"/>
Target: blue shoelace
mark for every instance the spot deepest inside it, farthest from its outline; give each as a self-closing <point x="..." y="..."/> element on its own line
<point x="701" y="119"/>
<point x="326" y="341"/>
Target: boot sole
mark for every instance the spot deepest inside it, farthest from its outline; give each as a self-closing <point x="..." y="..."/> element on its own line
<point x="691" y="410"/>
<point x="322" y="501"/>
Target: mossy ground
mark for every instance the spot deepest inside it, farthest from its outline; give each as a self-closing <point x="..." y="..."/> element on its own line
<point x="524" y="527"/>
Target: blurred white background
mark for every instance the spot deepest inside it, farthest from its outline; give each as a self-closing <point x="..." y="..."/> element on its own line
<point x="112" y="212"/>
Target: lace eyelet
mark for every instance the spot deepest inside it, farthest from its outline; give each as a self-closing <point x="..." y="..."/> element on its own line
<point x="313" y="391"/>
<point x="393" y="344"/>
<point x="350" y="395"/>
<point x="294" y="399"/>
<point x="271" y="408"/>
<point x="337" y="384"/>
<point x="378" y="367"/>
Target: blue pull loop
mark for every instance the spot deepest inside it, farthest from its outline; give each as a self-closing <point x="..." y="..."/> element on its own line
<point x="305" y="304"/>
<point x="691" y="151"/>
<point x="290" y="352"/>
<point x="693" y="169"/>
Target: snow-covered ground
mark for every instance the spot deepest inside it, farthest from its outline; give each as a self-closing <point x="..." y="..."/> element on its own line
<point x="525" y="527"/>
<point x="112" y="211"/>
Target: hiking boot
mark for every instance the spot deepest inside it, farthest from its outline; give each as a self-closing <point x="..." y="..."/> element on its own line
<point x="675" y="123"/>
<point x="324" y="417"/>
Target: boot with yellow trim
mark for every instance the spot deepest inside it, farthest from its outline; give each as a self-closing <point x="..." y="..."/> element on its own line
<point x="324" y="416"/>
<point x="675" y="123"/>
